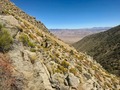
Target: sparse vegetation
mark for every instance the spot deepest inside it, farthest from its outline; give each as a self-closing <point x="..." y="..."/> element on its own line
<point x="65" y="64"/>
<point x="57" y="54"/>
<point x="1" y="26"/>
<point x="62" y="69"/>
<point x="58" y="71"/>
<point x="5" y="39"/>
<point x="24" y="38"/>
<point x="31" y="36"/>
<point x="73" y="70"/>
<point x="57" y="60"/>
<point x="104" y="47"/>
<point x="79" y="68"/>
<point x="71" y="52"/>
<point x="39" y="34"/>
<point x="32" y="49"/>
<point x="33" y="58"/>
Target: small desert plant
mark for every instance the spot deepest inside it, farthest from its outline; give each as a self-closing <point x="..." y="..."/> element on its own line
<point x="56" y="60"/>
<point x="39" y="34"/>
<point x="5" y="39"/>
<point x="65" y="64"/>
<point x="5" y="12"/>
<point x="58" y="71"/>
<point x="79" y="68"/>
<point x="33" y="58"/>
<point x="24" y="38"/>
<point x="62" y="69"/>
<point x="33" y="50"/>
<point x="57" y="55"/>
<point x="1" y="26"/>
<point x="31" y="36"/>
<point x="81" y="57"/>
<point x="72" y="52"/>
<point x="73" y="70"/>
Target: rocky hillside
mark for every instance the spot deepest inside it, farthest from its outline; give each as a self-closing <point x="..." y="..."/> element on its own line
<point x="32" y="59"/>
<point x="8" y="8"/>
<point x="104" y="47"/>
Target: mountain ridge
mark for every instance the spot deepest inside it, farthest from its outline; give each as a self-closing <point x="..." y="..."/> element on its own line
<point x="104" y="47"/>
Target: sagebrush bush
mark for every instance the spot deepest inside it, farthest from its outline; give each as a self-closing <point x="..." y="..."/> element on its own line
<point x="62" y="69"/>
<point x="72" y="52"/>
<point x="24" y="38"/>
<point x="73" y="70"/>
<point x="39" y="34"/>
<point x="33" y="50"/>
<point x="5" y="39"/>
<point x="33" y="58"/>
<point x="79" y="68"/>
<point x="65" y="64"/>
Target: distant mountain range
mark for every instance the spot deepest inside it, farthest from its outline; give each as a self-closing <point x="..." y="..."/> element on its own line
<point x="71" y="36"/>
<point x="104" y="47"/>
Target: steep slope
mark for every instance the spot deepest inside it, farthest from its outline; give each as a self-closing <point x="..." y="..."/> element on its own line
<point x="104" y="47"/>
<point x="33" y="59"/>
<point x="8" y="8"/>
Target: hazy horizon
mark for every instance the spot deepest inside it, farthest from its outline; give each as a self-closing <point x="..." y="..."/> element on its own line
<point x="81" y="28"/>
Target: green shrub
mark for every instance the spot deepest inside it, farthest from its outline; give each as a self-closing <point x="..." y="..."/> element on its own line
<point x="58" y="71"/>
<point x="33" y="58"/>
<point x="5" y="12"/>
<point x="24" y="38"/>
<point x="39" y="34"/>
<point x="79" y="68"/>
<point x="31" y="44"/>
<point x="72" y="52"/>
<point x="1" y="26"/>
<point x="62" y="69"/>
<point x="65" y="64"/>
<point x="73" y="70"/>
<point x="56" y="60"/>
<point x="33" y="50"/>
<point x="57" y="55"/>
<point x="5" y="39"/>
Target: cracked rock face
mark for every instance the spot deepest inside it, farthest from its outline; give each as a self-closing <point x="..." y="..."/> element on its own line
<point x="10" y="22"/>
<point x="72" y="80"/>
<point x="35" y="75"/>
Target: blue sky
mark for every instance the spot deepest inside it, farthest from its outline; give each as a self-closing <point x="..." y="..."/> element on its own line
<point x="73" y="13"/>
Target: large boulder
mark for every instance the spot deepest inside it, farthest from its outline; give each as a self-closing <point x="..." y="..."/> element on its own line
<point x="72" y="80"/>
<point x="34" y="76"/>
<point x="56" y="80"/>
<point x="9" y="22"/>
